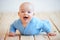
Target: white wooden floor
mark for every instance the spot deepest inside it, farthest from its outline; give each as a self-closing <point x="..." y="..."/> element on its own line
<point x="37" y="37"/>
<point x="6" y="19"/>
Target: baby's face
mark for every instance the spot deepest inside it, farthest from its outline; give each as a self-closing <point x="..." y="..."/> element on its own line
<point x="26" y="12"/>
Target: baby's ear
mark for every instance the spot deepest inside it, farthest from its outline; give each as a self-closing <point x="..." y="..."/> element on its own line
<point x="18" y="14"/>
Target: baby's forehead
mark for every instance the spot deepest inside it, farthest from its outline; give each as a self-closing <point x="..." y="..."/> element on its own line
<point x="26" y="5"/>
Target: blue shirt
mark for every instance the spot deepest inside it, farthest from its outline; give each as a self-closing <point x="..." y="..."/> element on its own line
<point x="35" y="26"/>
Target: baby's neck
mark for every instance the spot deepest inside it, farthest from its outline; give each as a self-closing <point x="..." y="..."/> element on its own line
<point x="24" y="24"/>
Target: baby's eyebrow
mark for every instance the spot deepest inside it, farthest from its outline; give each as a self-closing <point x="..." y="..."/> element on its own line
<point x="25" y="10"/>
<point x="22" y="10"/>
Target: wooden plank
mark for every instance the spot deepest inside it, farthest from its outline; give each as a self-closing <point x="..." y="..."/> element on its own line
<point x="55" y="30"/>
<point x="27" y="38"/>
<point x="41" y="37"/>
<point x="54" y="25"/>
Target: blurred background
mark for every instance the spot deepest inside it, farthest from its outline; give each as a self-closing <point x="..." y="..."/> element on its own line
<point x="44" y="9"/>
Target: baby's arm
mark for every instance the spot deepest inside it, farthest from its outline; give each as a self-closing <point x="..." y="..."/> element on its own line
<point x="47" y="28"/>
<point x="12" y="30"/>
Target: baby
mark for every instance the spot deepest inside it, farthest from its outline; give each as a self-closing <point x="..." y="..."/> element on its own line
<point x="27" y="24"/>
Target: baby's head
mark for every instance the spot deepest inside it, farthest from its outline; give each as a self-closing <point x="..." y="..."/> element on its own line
<point x="26" y="12"/>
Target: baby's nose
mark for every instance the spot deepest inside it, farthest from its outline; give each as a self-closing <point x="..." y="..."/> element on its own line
<point x="26" y="13"/>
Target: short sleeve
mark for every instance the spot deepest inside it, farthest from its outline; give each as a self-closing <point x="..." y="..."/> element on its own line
<point x="12" y="28"/>
<point x="46" y="26"/>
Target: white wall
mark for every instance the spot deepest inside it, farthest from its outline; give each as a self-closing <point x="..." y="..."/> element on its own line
<point x="40" y="5"/>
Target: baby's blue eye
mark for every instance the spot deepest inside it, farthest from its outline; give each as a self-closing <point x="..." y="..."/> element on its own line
<point x="29" y="12"/>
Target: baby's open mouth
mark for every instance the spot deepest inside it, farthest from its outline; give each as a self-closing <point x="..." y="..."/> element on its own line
<point x="25" y="18"/>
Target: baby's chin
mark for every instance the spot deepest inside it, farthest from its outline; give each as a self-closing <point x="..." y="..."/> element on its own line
<point x="26" y="21"/>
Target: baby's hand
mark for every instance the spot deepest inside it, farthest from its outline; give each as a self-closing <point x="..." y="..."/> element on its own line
<point x="11" y="34"/>
<point x="51" y="34"/>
